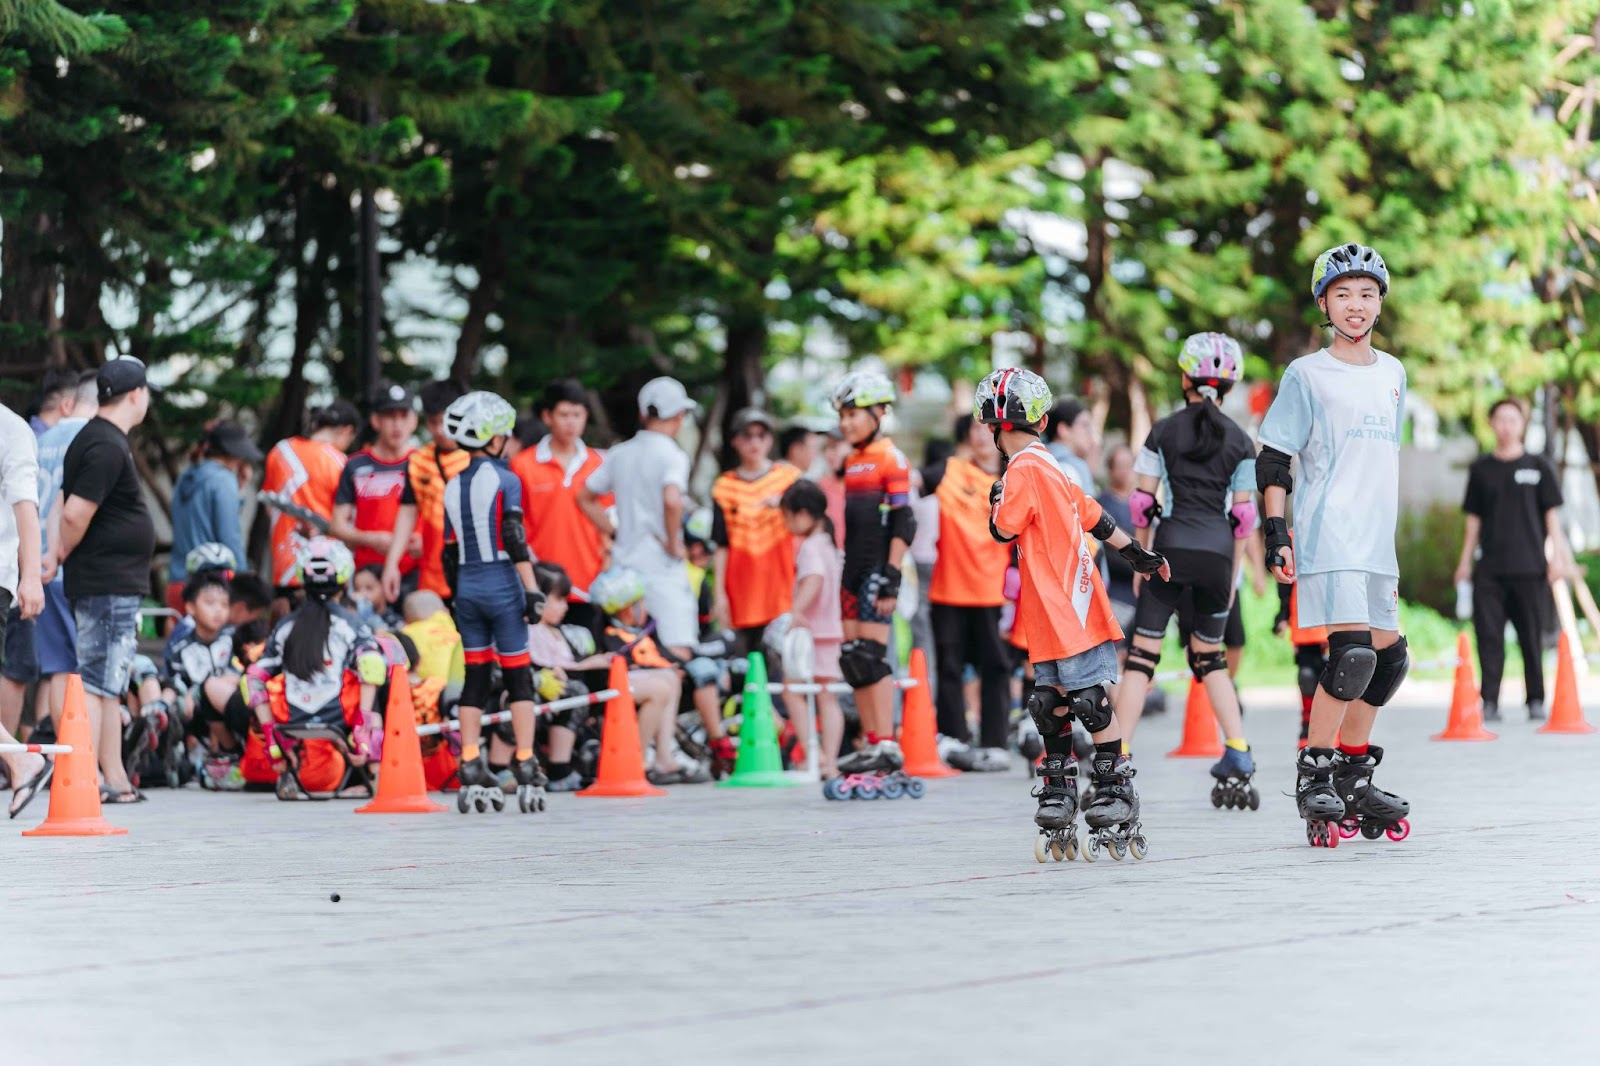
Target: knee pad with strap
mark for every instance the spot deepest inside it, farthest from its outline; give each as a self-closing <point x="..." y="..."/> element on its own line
<point x="519" y="683"/>
<point x="1351" y="664"/>
<point x="1204" y="663"/>
<point x="1141" y="661"/>
<point x="475" y="687"/>
<point x="1394" y="663"/>
<point x="863" y="662"/>
<point x="1092" y="706"/>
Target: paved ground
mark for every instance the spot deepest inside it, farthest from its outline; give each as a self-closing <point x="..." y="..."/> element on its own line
<point x="772" y="927"/>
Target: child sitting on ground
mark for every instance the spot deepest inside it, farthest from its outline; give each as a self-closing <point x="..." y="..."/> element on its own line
<point x="564" y="650"/>
<point x="371" y="604"/>
<point x="200" y="679"/>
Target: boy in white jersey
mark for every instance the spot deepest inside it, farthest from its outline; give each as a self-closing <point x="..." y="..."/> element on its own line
<point x="1339" y="411"/>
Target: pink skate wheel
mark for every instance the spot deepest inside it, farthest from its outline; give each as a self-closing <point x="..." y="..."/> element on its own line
<point x="1400" y="830"/>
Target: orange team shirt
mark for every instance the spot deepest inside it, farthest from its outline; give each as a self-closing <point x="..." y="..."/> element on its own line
<point x="970" y="570"/>
<point x="558" y="530"/>
<point x="307" y="472"/>
<point x="1063" y="610"/>
<point x="426" y="473"/>
<point x="747" y="521"/>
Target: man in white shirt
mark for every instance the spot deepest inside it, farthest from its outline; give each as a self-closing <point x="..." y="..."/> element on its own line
<point x="20" y="575"/>
<point x="649" y="476"/>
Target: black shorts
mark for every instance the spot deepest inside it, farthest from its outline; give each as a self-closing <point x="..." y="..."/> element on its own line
<point x="1201" y="588"/>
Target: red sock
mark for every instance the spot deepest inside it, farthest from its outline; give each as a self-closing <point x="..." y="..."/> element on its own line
<point x="877" y="738"/>
<point x="1353" y="749"/>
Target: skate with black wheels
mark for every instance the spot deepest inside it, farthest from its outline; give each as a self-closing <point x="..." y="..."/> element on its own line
<point x="1113" y="815"/>
<point x="480" y="789"/>
<point x="1058" y="809"/>
<point x="531" y="782"/>
<point x="1316" y="799"/>
<point x="1368" y="809"/>
<point x="1233" y="773"/>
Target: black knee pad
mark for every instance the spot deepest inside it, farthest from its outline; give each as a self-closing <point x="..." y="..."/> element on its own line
<point x="1394" y="663"/>
<point x="1310" y="661"/>
<point x="863" y="662"/>
<point x="1202" y="663"/>
<point x="1351" y="664"/>
<point x="477" y="685"/>
<point x="1141" y="661"/>
<point x="1042" y="704"/>
<point x="519" y="684"/>
<point x="1092" y="707"/>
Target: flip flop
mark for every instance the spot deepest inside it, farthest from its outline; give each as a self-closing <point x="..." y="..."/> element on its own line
<point x="133" y="795"/>
<point x="20" y="798"/>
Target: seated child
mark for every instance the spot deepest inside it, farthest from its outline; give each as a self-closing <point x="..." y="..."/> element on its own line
<point x="330" y="664"/>
<point x="371" y="603"/>
<point x="565" y="650"/>
<point x="653" y="676"/>
<point x="439" y="656"/>
<point x="200" y="679"/>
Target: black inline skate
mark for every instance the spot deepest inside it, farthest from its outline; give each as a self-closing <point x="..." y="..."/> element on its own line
<point x="480" y="788"/>
<point x="530" y="784"/>
<point x="1113" y="814"/>
<point x="1316" y="798"/>
<point x="1368" y="809"/>
<point x="1233" y="773"/>
<point x="1058" y="809"/>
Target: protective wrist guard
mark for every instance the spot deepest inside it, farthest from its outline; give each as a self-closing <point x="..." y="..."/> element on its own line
<point x="884" y="584"/>
<point x="367" y="738"/>
<point x="1277" y="534"/>
<point x="533" y="605"/>
<point x="269" y="736"/>
<point x="1142" y="560"/>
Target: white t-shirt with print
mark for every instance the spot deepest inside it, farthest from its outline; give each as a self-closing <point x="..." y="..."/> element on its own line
<point x="1343" y="423"/>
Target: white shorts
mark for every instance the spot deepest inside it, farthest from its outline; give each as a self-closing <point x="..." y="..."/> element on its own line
<point x="672" y="606"/>
<point x="1347" y="597"/>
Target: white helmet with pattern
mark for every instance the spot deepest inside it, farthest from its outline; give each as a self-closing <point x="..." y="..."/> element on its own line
<point x="478" y="418"/>
<point x="324" y="565"/>
<point x="863" y="388"/>
<point x="210" y="556"/>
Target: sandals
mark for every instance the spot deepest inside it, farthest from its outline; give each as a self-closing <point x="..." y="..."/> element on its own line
<point x="23" y="795"/>
<point x="133" y="795"/>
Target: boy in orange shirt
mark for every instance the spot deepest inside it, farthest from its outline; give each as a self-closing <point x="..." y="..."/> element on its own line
<point x="1066" y="616"/>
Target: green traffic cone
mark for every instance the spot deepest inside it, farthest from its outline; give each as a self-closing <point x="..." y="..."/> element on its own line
<point x="759" y="763"/>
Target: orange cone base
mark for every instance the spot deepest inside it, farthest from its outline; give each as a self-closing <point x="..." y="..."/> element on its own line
<point x="1574" y="728"/>
<point x="76" y="827"/>
<point x="402" y="805"/>
<point x="930" y="769"/>
<point x="1469" y="728"/>
<point x="622" y="789"/>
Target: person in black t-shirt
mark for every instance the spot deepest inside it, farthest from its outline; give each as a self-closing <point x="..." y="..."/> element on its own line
<point x="1513" y="504"/>
<point x="107" y="540"/>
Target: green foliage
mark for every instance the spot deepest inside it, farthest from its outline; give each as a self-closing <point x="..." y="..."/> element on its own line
<point x="1428" y="543"/>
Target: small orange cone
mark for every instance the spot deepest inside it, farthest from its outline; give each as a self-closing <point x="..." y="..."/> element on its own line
<point x="1566" y="713"/>
<point x="918" y="728"/>
<point x="402" y="788"/>
<point x="621" y="753"/>
<point x="74" y="794"/>
<point x="1466" y="705"/>
<point x="1201" y="737"/>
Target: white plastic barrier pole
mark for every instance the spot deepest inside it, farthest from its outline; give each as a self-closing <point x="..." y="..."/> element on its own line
<point x="35" y="749"/>
<point x="435" y="728"/>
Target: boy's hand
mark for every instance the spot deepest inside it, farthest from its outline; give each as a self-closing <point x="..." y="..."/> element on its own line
<point x="1280" y="551"/>
<point x="391" y="583"/>
<point x="30" y="596"/>
<point x="1145" y="561"/>
<point x="884" y="589"/>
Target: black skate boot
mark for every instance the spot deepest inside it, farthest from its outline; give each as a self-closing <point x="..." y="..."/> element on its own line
<point x="480" y="789"/>
<point x="1316" y="798"/>
<point x="1368" y="809"/>
<point x="530" y="784"/>
<point x="1058" y="809"/>
<point x="1113" y="814"/>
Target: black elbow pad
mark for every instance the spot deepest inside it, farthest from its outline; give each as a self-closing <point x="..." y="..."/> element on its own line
<point x="514" y="537"/>
<point x="902" y="524"/>
<point x="1104" y="528"/>
<point x="1272" y="468"/>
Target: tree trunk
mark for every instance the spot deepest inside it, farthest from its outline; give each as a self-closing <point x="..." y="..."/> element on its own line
<point x="485" y="298"/>
<point x="743" y="366"/>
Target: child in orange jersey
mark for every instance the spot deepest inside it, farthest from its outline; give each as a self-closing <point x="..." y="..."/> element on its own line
<point x="1066" y="616"/>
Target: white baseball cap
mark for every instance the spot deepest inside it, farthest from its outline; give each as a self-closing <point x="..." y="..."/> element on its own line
<point x="667" y="396"/>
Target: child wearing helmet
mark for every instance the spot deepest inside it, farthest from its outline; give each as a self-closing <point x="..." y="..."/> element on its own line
<point x="653" y="669"/>
<point x="198" y="673"/>
<point x="490" y="572"/>
<point x="329" y="662"/>
<point x="1339" y="410"/>
<point x="1204" y="465"/>
<point x="1066" y="617"/>
<point x="878" y="528"/>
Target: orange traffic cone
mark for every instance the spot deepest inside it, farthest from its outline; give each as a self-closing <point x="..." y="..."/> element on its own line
<point x="621" y="753"/>
<point x="74" y="795"/>
<point x="1566" y="713"/>
<point x="402" y="788"/>
<point x="1466" y="705"/>
<point x="918" y="741"/>
<point x="1201" y="737"/>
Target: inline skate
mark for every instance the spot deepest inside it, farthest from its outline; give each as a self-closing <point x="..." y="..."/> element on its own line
<point x="1233" y="773"/>
<point x="1368" y="809"/>
<point x="1058" y="809"/>
<point x="1113" y="814"/>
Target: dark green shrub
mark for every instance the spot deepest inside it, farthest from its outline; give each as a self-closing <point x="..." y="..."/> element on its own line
<point x="1428" y="543"/>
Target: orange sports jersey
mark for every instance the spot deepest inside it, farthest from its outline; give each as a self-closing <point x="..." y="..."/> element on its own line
<point x="747" y="522"/>
<point x="971" y="568"/>
<point x="426" y="474"/>
<point x="307" y="472"/>
<point x="558" y="530"/>
<point x="877" y="479"/>
<point x="1063" y="610"/>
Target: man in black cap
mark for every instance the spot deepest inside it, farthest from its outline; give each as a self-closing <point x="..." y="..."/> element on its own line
<point x="367" y="502"/>
<point x="206" y="502"/>
<point x="107" y="540"/>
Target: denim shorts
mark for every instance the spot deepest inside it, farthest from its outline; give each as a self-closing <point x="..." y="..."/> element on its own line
<point x="55" y="633"/>
<point x="1097" y="666"/>
<point x="21" y="650"/>
<point x="490" y="611"/>
<point x="108" y="639"/>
